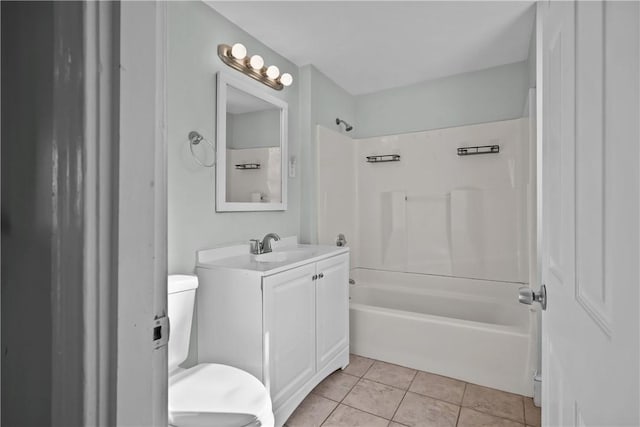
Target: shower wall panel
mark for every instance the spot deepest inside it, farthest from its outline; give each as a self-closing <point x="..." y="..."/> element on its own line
<point x="432" y="212"/>
<point x="435" y="212"/>
<point x="336" y="191"/>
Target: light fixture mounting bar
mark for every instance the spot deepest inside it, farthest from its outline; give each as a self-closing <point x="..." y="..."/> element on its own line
<point x="224" y="52"/>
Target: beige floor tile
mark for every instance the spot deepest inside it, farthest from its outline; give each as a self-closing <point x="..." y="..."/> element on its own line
<point x="336" y="386"/>
<point x="375" y="398"/>
<point x="471" y="418"/>
<point x="345" y="416"/>
<point x="393" y="375"/>
<point x="494" y="402"/>
<point x="439" y="387"/>
<point x="395" y="424"/>
<point x="358" y="365"/>
<point x="531" y="412"/>
<point x="417" y="410"/>
<point x="312" y="412"/>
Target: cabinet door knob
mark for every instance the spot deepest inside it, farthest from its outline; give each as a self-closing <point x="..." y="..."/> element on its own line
<point x="321" y="275"/>
<point x="314" y="277"/>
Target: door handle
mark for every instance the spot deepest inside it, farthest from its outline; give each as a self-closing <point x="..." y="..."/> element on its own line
<point x="526" y="295"/>
<point x="320" y="276"/>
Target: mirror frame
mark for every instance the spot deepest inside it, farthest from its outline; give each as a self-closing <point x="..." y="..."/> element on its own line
<point x="224" y="80"/>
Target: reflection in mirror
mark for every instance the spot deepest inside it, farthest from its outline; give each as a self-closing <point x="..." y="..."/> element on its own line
<point x="254" y="160"/>
<point x="251" y="147"/>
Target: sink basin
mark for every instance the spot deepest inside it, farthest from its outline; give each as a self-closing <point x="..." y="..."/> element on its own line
<point x="272" y="257"/>
<point x="283" y="255"/>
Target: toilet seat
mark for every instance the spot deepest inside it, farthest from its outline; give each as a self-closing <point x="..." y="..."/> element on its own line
<point x="210" y="394"/>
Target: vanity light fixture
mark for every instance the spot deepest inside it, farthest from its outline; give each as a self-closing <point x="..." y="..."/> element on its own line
<point x="256" y="62"/>
<point x="253" y="66"/>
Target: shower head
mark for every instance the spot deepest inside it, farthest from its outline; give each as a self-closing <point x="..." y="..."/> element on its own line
<point x="347" y="126"/>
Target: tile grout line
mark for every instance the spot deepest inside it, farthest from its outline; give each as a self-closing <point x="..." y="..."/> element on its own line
<point x="492" y="414"/>
<point x="345" y="396"/>
<point x="351" y="389"/>
<point x="403" y="396"/>
<point x="460" y="410"/>
<point x="423" y="395"/>
<point x="330" y="413"/>
<point x="362" y="410"/>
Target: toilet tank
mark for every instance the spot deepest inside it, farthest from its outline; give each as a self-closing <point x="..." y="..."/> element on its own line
<point x="180" y="301"/>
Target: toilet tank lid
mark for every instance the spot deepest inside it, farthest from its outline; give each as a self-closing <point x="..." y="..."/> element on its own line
<point x="181" y="283"/>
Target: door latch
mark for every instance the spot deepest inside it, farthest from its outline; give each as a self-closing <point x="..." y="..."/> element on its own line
<point x="161" y="329"/>
<point x="526" y="295"/>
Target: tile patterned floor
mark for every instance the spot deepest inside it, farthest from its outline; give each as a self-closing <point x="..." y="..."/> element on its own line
<point x="371" y="393"/>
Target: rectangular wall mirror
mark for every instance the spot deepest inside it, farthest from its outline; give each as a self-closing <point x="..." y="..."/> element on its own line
<point x="251" y="147"/>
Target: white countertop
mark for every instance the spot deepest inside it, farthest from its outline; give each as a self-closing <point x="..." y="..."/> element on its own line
<point x="238" y="257"/>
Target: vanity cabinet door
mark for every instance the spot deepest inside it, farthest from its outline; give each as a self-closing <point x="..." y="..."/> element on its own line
<point x="332" y="308"/>
<point x="289" y="331"/>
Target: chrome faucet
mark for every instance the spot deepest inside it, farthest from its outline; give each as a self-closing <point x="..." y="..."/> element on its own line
<point x="257" y="247"/>
<point x="266" y="242"/>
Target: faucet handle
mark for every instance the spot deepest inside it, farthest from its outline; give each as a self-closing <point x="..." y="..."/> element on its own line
<point x="255" y="246"/>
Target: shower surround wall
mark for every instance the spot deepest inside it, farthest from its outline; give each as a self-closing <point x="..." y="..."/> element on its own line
<point x="433" y="212"/>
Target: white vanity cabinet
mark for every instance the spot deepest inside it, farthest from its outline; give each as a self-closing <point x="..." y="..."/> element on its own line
<point x="289" y="330"/>
<point x="286" y="323"/>
<point x="332" y="309"/>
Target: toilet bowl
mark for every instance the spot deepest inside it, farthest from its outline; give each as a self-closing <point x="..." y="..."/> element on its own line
<point x="207" y="394"/>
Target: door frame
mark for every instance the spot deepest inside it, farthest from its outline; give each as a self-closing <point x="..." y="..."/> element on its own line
<point x="121" y="241"/>
<point x="142" y="377"/>
<point x="100" y="130"/>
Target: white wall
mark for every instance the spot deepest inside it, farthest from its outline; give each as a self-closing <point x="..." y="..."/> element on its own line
<point x="195" y="30"/>
<point x="489" y="95"/>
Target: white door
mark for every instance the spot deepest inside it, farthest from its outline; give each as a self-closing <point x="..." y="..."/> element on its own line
<point x="289" y="323"/>
<point x="332" y="308"/>
<point x="590" y="216"/>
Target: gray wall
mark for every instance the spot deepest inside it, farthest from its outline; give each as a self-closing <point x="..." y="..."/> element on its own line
<point x="489" y="95"/>
<point x="321" y="102"/>
<point x="195" y="30"/>
<point x="253" y="130"/>
<point x="27" y="132"/>
<point x="44" y="173"/>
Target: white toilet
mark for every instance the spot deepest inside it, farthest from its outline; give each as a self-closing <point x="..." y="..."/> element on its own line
<point x="207" y="394"/>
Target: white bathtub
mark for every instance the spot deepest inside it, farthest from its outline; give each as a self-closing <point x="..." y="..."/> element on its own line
<point x="472" y="330"/>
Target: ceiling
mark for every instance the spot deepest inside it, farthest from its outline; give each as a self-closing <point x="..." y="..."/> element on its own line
<point x="367" y="46"/>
